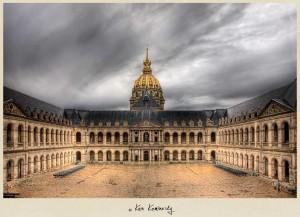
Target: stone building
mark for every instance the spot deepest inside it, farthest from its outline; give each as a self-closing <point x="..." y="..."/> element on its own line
<point x="257" y="136"/>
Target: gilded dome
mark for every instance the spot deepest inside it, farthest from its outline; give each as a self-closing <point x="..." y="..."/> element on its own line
<point x="147" y="80"/>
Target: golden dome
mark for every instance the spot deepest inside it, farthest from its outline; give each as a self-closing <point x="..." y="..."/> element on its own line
<point x="147" y="80"/>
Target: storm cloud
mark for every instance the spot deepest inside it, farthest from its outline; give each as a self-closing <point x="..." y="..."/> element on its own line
<point x="206" y="56"/>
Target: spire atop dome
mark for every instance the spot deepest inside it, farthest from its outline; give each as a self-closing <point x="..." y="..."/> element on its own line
<point x="147" y="64"/>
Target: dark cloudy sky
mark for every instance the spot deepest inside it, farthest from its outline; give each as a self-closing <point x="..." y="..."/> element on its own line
<point x="206" y="56"/>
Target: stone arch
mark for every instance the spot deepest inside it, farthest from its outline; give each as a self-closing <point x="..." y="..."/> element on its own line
<point x="175" y="155"/>
<point x="275" y="168"/>
<point x="166" y="155"/>
<point x="266" y="166"/>
<point x="78" y="156"/>
<point x="117" y="138"/>
<point x="100" y="137"/>
<point x="20" y="134"/>
<point x="285" y="170"/>
<point x="92" y="137"/>
<point x="52" y="161"/>
<point x="183" y="155"/>
<point x="275" y="133"/>
<point x="125" y="137"/>
<point x="213" y="156"/>
<point x="108" y="156"/>
<point x="191" y="155"/>
<point x="125" y="155"/>
<point x="42" y="161"/>
<point x="213" y="137"/>
<point x="167" y="137"/>
<point x="117" y="156"/>
<point x="200" y="138"/>
<point x="78" y="137"/>
<point x="183" y="138"/>
<point x="252" y="162"/>
<point x="9" y="134"/>
<point x="286" y="132"/>
<point x="192" y="138"/>
<point x="9" y="170"/>
<point x="29" y="165"/>
<point x="100" y="156"/>
<point x="92" y="156"/>
<point x="200" y="155"/>
<point x="48" y="162"/>
<point x="175" y="138"/>
<point x="108" y="137"/>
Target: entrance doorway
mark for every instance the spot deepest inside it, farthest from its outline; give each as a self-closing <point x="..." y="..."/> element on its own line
<point x="213" y="156"/>
<point x="78" y="156"/>
<point x="156" y="157"/>
<point x="136" y="158"/>
<point x="146" y="155"/>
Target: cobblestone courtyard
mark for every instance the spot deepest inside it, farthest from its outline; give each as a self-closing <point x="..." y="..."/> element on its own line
<point x="164" y="180"/>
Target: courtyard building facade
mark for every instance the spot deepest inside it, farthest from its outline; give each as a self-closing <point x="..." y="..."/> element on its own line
<point x="257" y="136"/>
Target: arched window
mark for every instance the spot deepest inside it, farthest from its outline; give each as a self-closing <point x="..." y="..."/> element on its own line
<point x="175" y="155"/>
<point x="258" y="135"/>
<point x="108" y="137"/>
<point x="100" y="156"/>
<point x="167" y="137"/>
<point x="252" y="135"/>
<point x="191" y="155"/>
<point x="20" y="134"/>
<point x="108" y="155"/>
<point x="92" y="138"/>
<point x="100" y="137"/>
<point x="192" y="138"/>
<point x="117" y="138"/>
<point x="246" y="136"/>
<point x="213" y="137"/>
<point x="125" y="138"/>
<point x="47" y="136"/>
<point x="275" y="134"/>
<point x="183" y="138"/>
<point x="42" y="136"/>
<point x="10" y="170"/>
<point x="286" y="133"/>
<point x="117" y="156"/>
<point x="175" y="138"/>
<point x="183" y="155"/>
<point x="92" y="156"/>
<point x="52" y="136"/>
<point x="125" y="156"/>
<point x="9" y="138"/>
<point x="78" y="137"/>
<point x="199" y="155"/>
<point x="266" y="132"/>
<point x="35" y="135"/>
<point x="29" y="135"/>
<point x="146" y="137"/>
<point x="167" y="155"/>
<point x="200" y="138"/>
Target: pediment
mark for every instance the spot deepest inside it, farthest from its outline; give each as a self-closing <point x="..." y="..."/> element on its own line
<point x="274" y="108"/>
<point x="12" y="109"/>
<point x="146" y="124"/>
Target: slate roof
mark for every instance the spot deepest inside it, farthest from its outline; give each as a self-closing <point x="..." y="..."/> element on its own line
<point x="24" y="102"/>
<point x="285" y="95"/>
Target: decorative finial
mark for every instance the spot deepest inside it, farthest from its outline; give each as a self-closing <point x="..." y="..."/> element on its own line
<point x="147" y="54"/>
<point x="147" y="64"/>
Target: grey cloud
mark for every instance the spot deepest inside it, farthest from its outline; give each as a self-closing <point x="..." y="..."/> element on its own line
<point x="88" y="55"/>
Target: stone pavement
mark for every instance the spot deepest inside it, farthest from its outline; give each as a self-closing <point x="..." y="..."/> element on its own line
<point x="156" y="180"/>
